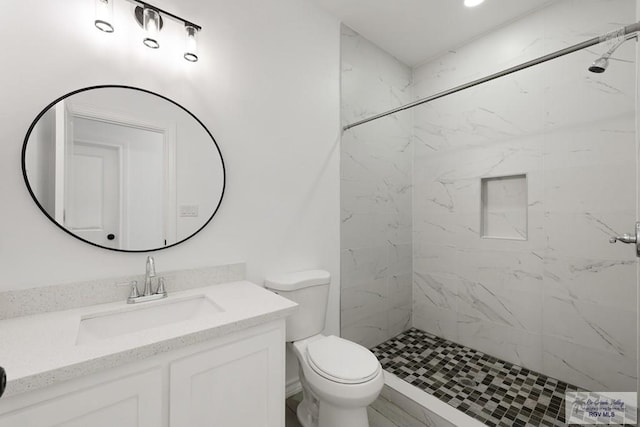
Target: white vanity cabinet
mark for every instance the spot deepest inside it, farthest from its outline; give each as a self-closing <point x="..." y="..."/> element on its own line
<point x="249" y="369"/>
<point x="132" y="401"/>
<point x="235" y="380"/>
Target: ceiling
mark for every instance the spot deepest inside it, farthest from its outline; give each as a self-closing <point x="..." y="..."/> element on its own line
<point x="416" y="30"/>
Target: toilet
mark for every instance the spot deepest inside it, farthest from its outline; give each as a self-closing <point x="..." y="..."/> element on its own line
<point x="339" y="378"/>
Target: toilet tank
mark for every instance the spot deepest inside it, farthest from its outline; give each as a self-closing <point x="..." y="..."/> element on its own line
<point x="310" y="290"/>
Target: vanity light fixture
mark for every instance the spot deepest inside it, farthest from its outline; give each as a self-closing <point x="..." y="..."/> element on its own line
<point x="104" y="15"/>
<point x="150" y="18"/>
<point x="472" y="3"/>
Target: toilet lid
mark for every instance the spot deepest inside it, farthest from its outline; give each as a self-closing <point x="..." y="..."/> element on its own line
<point x="342" y="361"/>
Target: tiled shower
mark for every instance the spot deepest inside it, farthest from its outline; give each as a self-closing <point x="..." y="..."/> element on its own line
<point x="484" y="217"/>
<point x="376" y="196"/>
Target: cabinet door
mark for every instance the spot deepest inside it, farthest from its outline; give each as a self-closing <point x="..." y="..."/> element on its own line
<point x="132" y="401"/>
<point x="238" y="384"/>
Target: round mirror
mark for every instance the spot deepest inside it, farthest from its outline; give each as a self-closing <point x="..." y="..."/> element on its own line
<point x="123" y="168"/>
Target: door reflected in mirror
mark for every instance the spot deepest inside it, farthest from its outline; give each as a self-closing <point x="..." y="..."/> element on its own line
<point x="123" y="168"/>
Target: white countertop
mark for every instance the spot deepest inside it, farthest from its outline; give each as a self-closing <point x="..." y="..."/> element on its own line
<point x="40" y="350"/>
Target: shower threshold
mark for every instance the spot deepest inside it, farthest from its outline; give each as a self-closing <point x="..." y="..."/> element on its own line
<point x="460" y="386"/>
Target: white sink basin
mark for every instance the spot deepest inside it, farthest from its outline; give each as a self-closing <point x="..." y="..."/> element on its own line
<point x="147" y="315"/>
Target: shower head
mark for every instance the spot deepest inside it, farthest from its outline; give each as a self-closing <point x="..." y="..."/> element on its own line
<point x="600" y="65"/>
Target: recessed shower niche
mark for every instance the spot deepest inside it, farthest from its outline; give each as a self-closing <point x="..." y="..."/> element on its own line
<point x="504" y="207"/>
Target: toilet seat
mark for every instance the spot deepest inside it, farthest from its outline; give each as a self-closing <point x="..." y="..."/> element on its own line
<point x="342" y="361"/>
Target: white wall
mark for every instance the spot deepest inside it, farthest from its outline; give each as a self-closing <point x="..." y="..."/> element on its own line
<point x="375" y="173"/>
<point x="266" y="86"/>
<point x="562" y="302"/>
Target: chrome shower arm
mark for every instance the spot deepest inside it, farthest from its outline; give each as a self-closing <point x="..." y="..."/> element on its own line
<point x="618" y="44"/>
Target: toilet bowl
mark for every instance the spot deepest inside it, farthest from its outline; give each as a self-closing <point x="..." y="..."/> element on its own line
<point x="339" y="378"/>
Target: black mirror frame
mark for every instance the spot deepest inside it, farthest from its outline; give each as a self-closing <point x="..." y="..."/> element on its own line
<point x="33" y="196"/>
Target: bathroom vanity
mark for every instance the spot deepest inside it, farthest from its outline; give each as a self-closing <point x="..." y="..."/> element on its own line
<point x="202" y="357"/>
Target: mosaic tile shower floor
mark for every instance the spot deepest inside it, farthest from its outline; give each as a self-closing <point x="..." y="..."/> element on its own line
<point x="493" y="391"/>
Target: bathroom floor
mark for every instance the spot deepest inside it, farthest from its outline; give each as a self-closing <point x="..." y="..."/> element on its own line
<point x="493" y="391"/>
<point x="290" y="417"/>
<point x="375" y="413"/>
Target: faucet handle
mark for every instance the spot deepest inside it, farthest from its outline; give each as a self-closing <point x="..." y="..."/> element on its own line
<point x="161" y="289"/>
<point x="134" y="289"/>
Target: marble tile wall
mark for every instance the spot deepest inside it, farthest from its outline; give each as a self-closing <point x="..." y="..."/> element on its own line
<point x="375" y="173"/>
<point x="563" y="301"/>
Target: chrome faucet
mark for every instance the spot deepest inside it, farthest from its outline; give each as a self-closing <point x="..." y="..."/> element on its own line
<point x="149" y="274"/>
<point x="147" y="294"/>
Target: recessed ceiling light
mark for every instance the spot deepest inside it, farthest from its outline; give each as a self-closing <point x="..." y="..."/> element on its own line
<point x="472" y="3"/>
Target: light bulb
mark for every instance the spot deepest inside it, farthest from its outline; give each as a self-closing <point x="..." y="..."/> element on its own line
<point x="104" y="15"/>
<point x="472" y="3"/>
<point x="151" y="25"/>
<point x="191" y="43"/>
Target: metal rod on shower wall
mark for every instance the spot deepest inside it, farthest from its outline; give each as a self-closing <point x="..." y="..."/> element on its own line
<point x="632" y="28"/>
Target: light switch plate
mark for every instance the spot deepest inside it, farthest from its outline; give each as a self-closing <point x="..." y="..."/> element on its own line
<point x="189" y="211"/>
